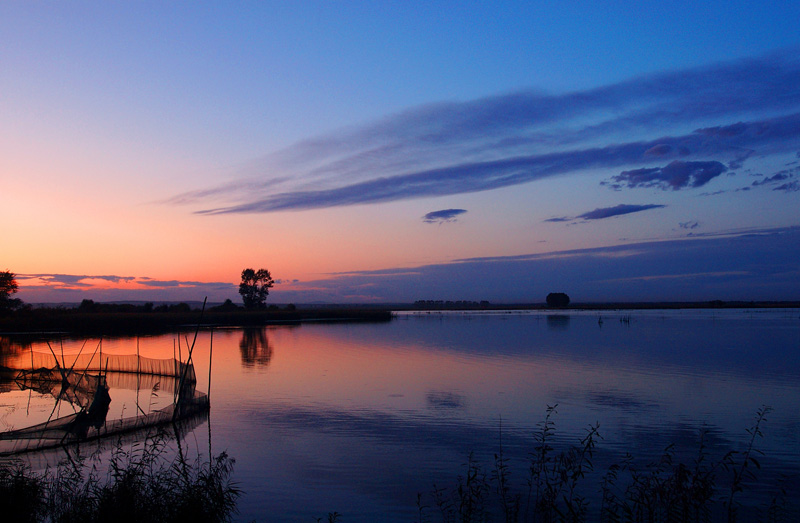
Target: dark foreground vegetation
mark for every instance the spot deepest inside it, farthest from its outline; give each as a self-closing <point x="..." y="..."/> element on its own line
<point x="707" y="488"/>
<point x="563" y="486"/>
<point x="141" y="485"/>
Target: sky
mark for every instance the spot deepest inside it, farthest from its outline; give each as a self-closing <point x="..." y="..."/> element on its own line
<point x="384" y="152"/>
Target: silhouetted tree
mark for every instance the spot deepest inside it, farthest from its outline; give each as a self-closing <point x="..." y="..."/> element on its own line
<point x="557" y="299"/>
<point x="255" y="287"/>
<point x="8" y="286"/>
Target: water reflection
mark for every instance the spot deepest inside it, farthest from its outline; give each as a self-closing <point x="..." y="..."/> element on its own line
<point x="10" y="346"/>
<point x="558" y="322"/>
<point x="358" y="418"/>
<point x="255" y="347"/>
<point x="445" y="400"/>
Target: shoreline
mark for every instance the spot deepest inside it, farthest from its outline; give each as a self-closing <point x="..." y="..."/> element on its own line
<point x="72" y="322"/>
<point x="59" y="321"/>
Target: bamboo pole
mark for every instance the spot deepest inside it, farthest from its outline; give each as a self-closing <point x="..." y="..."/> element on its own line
<point x="210" y="358"/>
<point x="188" y="359"/>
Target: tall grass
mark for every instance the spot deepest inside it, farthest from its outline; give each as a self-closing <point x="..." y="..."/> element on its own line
<point x="140" y="483"/>
<point x="554" y="489"/>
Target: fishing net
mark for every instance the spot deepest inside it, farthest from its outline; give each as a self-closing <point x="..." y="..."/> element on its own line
<point x="90" y="424"/>
<point x="77" y="388"/>
<point x="130" y="363"/>
<point x="83" y="380"/>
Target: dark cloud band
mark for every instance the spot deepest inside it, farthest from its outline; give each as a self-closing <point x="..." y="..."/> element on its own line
<point x="443" y="216"/>
<point x="607" y="212"/>
<point x="453" y="148"/>
<point x="617" y="210"/>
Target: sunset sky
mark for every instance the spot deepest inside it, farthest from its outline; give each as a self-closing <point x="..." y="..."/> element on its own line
<point x="395" y="151"/>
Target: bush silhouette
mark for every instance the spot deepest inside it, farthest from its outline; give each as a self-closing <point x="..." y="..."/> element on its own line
<point x="557" y="299"/>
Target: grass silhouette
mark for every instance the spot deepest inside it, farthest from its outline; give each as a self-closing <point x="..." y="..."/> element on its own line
<point x="141" y="483"/>
<point x="664" y="490"/>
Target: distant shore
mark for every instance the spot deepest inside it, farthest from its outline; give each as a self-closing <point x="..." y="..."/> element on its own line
<point x="76" y="322"/>
<point x="71" y="321"/>
<point x="601" y="306"/>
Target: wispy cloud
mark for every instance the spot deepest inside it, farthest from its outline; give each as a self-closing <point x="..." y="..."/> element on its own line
<point x="675" y="175"/>
<point x="617" y="210"/>
<point x="739" y="264"/>
<point x="72" y="280"/>
<point x="738" y="110"/>
<point x="788" y="187"/>
<point x="70" y="287"/>
<point x="607" y="212"/>
<point x="443" y="216"/>
<point x="781" y="181"/>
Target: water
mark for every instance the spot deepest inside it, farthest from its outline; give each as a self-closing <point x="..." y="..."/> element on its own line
<point x="359" y="418"/>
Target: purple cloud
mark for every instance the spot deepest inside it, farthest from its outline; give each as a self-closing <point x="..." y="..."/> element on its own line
<point x="782" y="181"/>
<point x="105" y="285"/>
<point x="788" y="187"/>
<point x="778" y="177"/>
<point x="443" y="216"/>
<point x="617" y="210"/>
<point x="675" y="175"/>
<point x="77" y="280"/>
<point x="453" y="148"/>
<point x="664" y="149"/>
<point x="607" y="212"/>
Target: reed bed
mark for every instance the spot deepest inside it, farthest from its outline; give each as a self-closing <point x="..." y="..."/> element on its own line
<point x="146" y="482"/>
<point x="142" y="482"/>
<point x="664" y="490"/>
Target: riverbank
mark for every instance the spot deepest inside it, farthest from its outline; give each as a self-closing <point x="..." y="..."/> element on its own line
<point x="138" y="320"/>
<point x="73" y="321"/>
<point x="600" y="306"/>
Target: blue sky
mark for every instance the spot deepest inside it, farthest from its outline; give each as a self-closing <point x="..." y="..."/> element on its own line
<point x="393" y="151"/>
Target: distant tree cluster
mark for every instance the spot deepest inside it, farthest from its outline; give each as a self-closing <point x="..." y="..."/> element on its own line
<point x="92" y="306"/>
<point x="442" y="304"/>
<point x="8" y="287"/>
<point x="557" y="299"/>
<point x="227" y="306"/>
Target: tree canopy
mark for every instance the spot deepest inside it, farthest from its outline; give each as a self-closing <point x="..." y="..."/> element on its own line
<point x="8" y="286"/>
<point x="255" y="287"/>
<point x="557" y="299"/>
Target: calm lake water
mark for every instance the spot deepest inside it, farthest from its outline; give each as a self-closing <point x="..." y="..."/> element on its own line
<point x="359" y="418"/>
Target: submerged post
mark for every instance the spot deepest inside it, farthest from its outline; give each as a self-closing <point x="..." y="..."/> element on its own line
<point x="210" y="356"/>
